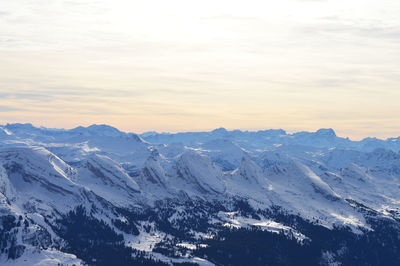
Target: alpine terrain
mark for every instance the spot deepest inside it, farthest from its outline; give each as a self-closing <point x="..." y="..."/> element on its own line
<point x="98" y="196"/>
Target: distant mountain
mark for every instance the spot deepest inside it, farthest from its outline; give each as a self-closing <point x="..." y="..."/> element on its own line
<point x="99" y="196"/>
<point x="264" y="139"/>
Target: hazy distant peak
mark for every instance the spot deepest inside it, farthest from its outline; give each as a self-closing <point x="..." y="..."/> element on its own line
<point x="219" y="130"/>
<point x="326" y="132"/>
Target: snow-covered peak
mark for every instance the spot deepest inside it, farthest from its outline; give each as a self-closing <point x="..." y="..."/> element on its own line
<point x="250" y="171"/>
<point x="97" y="130"/>
<point x="110" y="173"/>
<point x="224" y="153"/>
<point x="354" y="172"/>
<point x="152" y="173"/>
<point x="220" y="130"/>
<point x="39" y="179"/>
<point x="200" y="172"/>
<point x="326" y="132"/>
<point x="273" y="159"/>
<point x="36" y="158"/>
<point x="339" y="158"/>
<point x="222" y="145"/>
<point x="26" y="127"/>
<point x="303" y="181"/>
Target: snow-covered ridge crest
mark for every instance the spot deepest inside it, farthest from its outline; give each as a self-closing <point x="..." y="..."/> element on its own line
<point x="110" y="172"/>
<point x="198" y="171"/>
<point x="37" y="161"/>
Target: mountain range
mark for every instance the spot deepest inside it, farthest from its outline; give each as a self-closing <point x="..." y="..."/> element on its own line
<point x="99" y="196"/>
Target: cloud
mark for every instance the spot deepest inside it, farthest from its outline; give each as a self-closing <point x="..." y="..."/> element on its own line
<point x="368" y="29"/>
<point x="41" y="97"/>
<point x="4" y="109"/>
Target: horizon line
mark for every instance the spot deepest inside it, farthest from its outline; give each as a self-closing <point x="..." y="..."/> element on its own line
<point x="287" y="132"/>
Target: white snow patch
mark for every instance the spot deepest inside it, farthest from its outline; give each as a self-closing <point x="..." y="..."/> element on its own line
<point x="48" y="257"/>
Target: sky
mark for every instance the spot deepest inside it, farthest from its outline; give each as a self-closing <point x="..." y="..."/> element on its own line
<point x="188" y="65"/>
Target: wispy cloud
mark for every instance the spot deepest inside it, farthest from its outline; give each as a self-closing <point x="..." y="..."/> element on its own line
<point x="4" y="109"/>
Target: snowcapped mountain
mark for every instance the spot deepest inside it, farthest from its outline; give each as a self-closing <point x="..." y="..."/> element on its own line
<point x="224" y="153"/>
<point x="197" y="172"/>
<point x="95" y="195"/>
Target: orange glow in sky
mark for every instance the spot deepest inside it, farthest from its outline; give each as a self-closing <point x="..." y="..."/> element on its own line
<point x="199" y="65"/>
